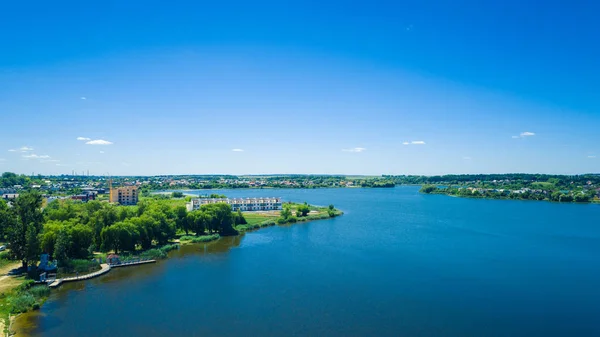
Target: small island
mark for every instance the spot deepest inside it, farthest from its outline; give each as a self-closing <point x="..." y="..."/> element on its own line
<point x="75" y="239"/>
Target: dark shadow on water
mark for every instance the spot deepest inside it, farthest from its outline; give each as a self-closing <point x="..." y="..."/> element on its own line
<point x="30" y="323"/>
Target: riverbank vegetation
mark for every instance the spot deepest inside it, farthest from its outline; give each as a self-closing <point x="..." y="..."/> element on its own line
<point x="291" y="213"/>
<point x="545" y="192"/>
<point x="77" y="235"/>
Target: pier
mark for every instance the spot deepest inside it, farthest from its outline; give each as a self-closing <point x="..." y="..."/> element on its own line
<point x="104" y="268"/>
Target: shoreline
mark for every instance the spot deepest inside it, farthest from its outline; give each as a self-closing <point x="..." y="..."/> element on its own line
<point x="13" y="328"/>
<point x="591" y="202"/>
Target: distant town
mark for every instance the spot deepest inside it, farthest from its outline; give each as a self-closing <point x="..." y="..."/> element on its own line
<point x="126" y="189"/>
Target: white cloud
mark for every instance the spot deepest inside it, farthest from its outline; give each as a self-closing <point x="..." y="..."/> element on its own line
<point x="49" y="160"/>
<point x="101" y="151"/>
<point x="237" y="150"/>
<point x="22" y="149"/>
<point x="2" y="159"/>
<point x="467" y="158"/>
<point x="83" y="97"/>
<point x="414" y="142"/>
<point x="515" y="137"/>
<point x="406" y="143"/>
<point x="35" y="156"/>
<point x="592" y="156"/>
<point x="99" y="142"/>
<point x="527" y="134"/>
<point x="356" y="149"/>
<point x="83" y="138"/>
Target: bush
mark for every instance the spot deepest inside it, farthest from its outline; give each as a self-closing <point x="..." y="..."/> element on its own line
<point x="154" y="254"/>
<point x="205" y="238"/>
<point x="22" y="303"/>
<point x="23" y="287"/>
<point x="83" y="266"/>
<point x="168" y="248"/>
<point x="39" y="291"/>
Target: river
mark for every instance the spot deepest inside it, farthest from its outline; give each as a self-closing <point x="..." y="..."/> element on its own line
<point x="398" y="263"/>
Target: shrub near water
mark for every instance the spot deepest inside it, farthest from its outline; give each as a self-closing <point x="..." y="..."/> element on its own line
<point x="200" y="239"/>
<point x="27" y="298"/>
<point x="153" y="254"/>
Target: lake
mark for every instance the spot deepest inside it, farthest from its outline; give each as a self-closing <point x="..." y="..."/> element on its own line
<point x="398" y="263"/>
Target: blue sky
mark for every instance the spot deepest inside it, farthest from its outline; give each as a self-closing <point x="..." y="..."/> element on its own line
<point x="237" y="87"/>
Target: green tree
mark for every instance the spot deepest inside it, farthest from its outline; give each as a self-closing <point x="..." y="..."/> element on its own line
<point x="181" y="218"/>
<point x="61" y="247"/>
<point x="221" y="218"/>
<point x="286" y="212"/>
<point x="24" y="227"/>
<point x="6" y="218"/>
<point x="428" y="189"/>
<point x="177" y="195"/>
<point x="303" y="209"/>
<point x="239" y="218"/>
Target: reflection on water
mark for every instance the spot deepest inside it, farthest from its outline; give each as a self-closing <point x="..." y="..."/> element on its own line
<point x="26" y="324"/>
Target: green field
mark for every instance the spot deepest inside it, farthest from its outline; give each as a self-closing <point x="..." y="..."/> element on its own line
<point x="255" y="218"/>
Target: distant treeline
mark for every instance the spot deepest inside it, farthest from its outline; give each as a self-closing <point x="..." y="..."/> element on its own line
<point x="557" y="180"/>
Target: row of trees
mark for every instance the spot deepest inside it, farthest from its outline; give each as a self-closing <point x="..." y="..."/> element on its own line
<point x="69" y="229"/>
<point x="520" y="179"/>
<point x="557" y="196"/>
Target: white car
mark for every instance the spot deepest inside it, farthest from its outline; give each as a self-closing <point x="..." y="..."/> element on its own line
<point x="2" y="248"/>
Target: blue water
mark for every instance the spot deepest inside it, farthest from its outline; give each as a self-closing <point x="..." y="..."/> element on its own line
<point x="398" y="263"/>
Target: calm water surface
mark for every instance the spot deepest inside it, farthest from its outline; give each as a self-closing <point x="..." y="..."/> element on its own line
<point x="396" y="264"/>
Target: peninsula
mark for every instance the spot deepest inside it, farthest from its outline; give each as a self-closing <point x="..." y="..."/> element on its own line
<point x="79" y="239"/>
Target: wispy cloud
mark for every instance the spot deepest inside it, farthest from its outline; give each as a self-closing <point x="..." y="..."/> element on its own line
<point x="35" y="156"/>
<point x="2" y="159"/>
<point x="524" y="134"/>
<point x="99" y="142"/>
<point x="101" y="151"/>
<point x="83" y="138"/>
<point x="414" y="142"/>
<point x="467" y="158"/>
<point x="83" y="97"/>
<point x="591" y="156"/>
<point x="49" y="161"/>
<point x="237" y="150"/>
<point x="356" y="149"/>
<point x="22" y="149"/>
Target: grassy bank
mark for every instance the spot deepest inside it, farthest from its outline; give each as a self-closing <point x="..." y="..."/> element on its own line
<point x="186" y="239"/>
<point x="291" y="213"/>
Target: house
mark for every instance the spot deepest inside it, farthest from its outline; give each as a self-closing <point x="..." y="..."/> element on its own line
<point x="84" y="197"/>
<point x="239" y="204"/>
<point x="10" y="196"/>
<point x="113" y="259"/>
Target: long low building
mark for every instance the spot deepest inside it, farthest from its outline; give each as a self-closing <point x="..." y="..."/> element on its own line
<point x="241" y="204"/>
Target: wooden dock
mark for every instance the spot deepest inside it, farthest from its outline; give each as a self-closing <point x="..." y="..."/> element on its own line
<point x="104" y="268"/>
<point x="133" y="263"/>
